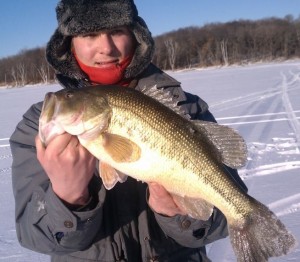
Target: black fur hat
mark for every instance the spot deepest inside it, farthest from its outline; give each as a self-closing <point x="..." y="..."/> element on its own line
<point x="77" y="17"/>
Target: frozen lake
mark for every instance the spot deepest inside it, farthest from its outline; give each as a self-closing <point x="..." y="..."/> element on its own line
<point x="260" y="101"/>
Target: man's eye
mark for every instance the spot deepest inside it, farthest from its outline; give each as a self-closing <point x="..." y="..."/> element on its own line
<point x="117" y="32"/>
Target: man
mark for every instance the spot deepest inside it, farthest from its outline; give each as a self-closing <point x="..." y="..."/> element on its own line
<point x="62" y="207"/>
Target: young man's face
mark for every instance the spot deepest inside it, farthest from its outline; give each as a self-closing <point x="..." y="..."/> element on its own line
<point x="102" y="49"/>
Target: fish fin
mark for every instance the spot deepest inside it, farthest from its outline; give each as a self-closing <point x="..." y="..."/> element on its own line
<point x="231" y="147"/>
<point x="120" y="148"/>
<point x="166" y="98"/>
<point x="262" y="237"/>
<point x="110" y="176"/>
<point x="194" y="207"/>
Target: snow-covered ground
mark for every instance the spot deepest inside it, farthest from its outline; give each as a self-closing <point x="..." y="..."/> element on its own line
<point x="261" y="101"/>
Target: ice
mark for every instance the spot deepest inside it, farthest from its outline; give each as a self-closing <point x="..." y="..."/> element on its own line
<point x="260" y="101"/>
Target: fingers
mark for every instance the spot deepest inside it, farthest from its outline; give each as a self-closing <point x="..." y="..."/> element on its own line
<point x="157" y="190"/>
<point x="40" y="149"/>
<point x="73" y="142"/>
<point x="65" y="144"/>
<point x="39" y="144"/>
<point x="60" y="143"/>
<point x="161" y="201"/>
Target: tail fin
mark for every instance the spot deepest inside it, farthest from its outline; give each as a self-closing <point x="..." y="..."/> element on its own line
<point x="263" y="237"/>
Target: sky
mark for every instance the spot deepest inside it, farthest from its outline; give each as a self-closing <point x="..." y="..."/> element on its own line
<point x="26" y="24"/>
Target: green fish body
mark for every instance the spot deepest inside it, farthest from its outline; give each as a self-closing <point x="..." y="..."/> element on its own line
<point x="132" y="134"/>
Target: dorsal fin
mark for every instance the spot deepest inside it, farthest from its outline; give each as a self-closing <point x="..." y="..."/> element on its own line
<point x="230" y="145"/>
<point x="165" y="97"/>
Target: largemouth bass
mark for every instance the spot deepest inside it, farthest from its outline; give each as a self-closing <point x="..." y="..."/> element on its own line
<point x="132" y="134"/>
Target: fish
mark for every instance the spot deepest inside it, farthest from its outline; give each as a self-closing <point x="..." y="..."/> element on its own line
<point x="147" y="136"/>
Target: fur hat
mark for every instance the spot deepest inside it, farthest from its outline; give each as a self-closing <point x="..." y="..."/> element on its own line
<point x="77" y="17"/>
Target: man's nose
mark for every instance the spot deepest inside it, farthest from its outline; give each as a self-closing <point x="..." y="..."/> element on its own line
<point x="105" y="44"/>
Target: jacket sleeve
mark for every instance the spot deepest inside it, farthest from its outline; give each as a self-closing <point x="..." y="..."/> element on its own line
<point x="43" y="223"/>
<point x="185" y="230"/>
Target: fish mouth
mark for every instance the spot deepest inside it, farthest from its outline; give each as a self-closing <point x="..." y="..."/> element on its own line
<point x="60" y="114"/>
<point x="53" y="106"/>
<point x="49" y="124"/>
<point x="46" y="115"/>
<point x="48" y="106"/>
<point x="48" y="129"/>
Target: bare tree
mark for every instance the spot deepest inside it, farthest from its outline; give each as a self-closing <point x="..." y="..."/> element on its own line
<point x="14" y="76"/>
<point x="172" y="48"/>
<point x="297" y="29"/>
<point x="22" y="74"/>
<point x="44" y="73"/>
<point x="224" y="50"/>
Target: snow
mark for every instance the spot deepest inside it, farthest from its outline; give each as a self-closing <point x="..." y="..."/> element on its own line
<point x="260" y="101"/>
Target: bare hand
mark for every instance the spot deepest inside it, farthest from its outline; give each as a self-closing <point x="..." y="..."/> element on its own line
<point x="162" y="202"/>
<point x="69" y="167"/>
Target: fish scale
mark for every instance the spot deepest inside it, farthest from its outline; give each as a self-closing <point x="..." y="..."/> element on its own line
<point x="170" y="134"/>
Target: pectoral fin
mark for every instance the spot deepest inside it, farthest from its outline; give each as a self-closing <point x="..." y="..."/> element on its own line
<point x="110" y="176"/>
<point x="120" y="148"/>
<point x="194" y="207"/>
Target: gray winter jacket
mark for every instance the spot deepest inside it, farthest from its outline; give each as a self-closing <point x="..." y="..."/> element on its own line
<point x="118" y="224"/>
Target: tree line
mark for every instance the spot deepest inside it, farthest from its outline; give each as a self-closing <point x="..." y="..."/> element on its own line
<point x="214" y="44"/>
<point x="234" y="42"/>
<point x="27" y="67"/>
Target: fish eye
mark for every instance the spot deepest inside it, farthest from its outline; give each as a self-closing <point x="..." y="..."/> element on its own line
<point x="69" y="94"/>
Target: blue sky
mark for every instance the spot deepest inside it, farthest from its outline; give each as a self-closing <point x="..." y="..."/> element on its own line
<point x="26" y="24"/>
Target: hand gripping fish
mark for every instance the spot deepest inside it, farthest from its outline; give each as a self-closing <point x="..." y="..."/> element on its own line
<point x="133" y="134"/>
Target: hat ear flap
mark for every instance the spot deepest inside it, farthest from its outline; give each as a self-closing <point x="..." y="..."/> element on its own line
<point x="144" y="50"/>
<point x="60" y="57"/>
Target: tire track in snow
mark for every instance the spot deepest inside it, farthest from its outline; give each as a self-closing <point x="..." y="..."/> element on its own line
<point x="243" y="100"/>
<point x="286" y="206"/>
<point x="282" y="115"/>
<point x="4" y="145"/>
<point x="281" y="93"/>
<point x="4" y="149"/>
<point x="12" y="257"/>
<point x="294" y="123"/>
<point x="254" y="110"/>
<point x="271" y="169"/>
<point x="286" y="151"/>
<point x="5" y="157"/>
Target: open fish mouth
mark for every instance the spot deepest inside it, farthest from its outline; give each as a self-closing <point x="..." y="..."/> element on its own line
<point x="49" y="107"/>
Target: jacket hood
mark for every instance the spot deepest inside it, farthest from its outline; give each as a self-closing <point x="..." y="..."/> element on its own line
<point x="76" y="17"/>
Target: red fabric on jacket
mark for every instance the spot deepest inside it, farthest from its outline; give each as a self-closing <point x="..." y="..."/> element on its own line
<point x="107" y="75"/>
